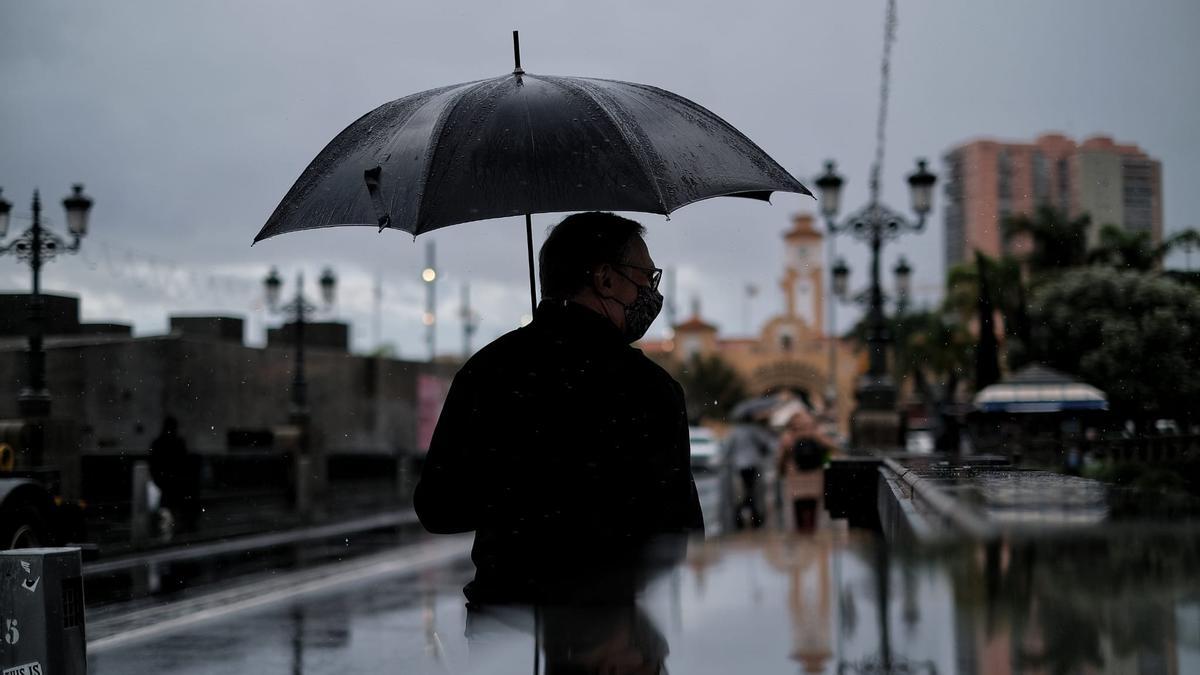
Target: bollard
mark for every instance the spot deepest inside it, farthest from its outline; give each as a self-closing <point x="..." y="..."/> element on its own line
<point x="304" y="483"/>
<point x="139" y="512"/>
<point x="41" y="612"/>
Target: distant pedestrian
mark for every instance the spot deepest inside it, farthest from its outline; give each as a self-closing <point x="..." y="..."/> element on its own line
<point x="749" y="444"/>
<point x="803" y="452"/>
<point x="176" y="475"/>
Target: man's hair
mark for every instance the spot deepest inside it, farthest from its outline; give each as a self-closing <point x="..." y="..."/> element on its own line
<point x="579" y="244"/>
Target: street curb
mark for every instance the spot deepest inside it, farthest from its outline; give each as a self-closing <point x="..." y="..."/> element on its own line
<point x="164" y="620"/>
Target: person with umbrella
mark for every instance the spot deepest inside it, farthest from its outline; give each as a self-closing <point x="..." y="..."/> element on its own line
<point x="803" y="453"/>
<point x="561" y="446"/>
<point x="748" y="444"/>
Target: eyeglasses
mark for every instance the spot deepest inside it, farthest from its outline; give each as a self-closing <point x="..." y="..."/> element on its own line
<point x="654" y="274"/>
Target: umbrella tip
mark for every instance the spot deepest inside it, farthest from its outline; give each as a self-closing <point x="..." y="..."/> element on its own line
<point x="517" y="70"/>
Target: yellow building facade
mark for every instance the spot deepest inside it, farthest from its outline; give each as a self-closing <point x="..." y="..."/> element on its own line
<point x="793" y="349"/>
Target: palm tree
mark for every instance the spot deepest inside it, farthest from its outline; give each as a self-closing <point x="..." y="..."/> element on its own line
<point x="987" y="352"/>
<point x="1188" y="240"/>
<point x="962" y="286"/>
<point x="1059" y="241"/>
<point x="1118" y="247"/>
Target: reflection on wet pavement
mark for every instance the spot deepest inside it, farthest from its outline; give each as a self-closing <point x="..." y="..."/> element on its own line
<point x="769" y="602"/>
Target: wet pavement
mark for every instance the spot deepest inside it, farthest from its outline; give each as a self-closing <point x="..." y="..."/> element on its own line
<point x="766" y="602"/>
<point x="928" y="499"/>
<point x="167" y="575"/>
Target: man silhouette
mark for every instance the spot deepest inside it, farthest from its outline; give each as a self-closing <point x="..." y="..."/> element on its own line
<point x="175" y="472"/>
<point x="561" y="446"/>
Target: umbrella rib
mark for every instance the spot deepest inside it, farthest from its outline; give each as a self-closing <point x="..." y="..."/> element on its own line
<point x="433" y="146"/>
<point x="635" y="148"/>
<point x="717" y="120"/>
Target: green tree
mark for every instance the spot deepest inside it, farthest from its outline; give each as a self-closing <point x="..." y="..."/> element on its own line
<point x="987" y="350"/>
<point x="1006" y="292"/>
<point x="711" y="387"/>
<point x="1118" y="247"/>
<point x="934" y="347"/>
<point x="1134" y="335"/>
<point x="1059" y="241"/>
<point x="935" y="351"/>
<point x="1189" y="241"/>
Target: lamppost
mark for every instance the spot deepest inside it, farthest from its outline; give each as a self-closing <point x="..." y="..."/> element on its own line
<point x="470" y="320"/>
<point x="36" y="246"/>
<point x="429" y="317"/>
<point x="902" y="273"/>
<point x="297" y="313"/>
<point x="875" y="224"/>
<point x="903" y="282"/>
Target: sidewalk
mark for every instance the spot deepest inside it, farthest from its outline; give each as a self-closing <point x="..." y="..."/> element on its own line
<point x="113" y="628"/>
<point x="234" y="514"/>
<point x="198" y="548"/>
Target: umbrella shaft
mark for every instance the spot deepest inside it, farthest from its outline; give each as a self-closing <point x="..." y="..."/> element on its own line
<point x="532" y="280"/>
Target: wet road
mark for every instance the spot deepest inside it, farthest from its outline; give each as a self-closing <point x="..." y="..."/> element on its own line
<point x="765" y="603"/>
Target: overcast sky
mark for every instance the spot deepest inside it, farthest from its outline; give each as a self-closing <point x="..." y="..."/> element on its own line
<point x="189" y="121"/>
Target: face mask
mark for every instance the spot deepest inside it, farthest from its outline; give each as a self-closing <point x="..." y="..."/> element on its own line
<point x="642" y="312"/>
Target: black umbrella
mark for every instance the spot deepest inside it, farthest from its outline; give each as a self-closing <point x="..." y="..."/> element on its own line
<point x="523" y="144"/>
<point x="753" y="407"/>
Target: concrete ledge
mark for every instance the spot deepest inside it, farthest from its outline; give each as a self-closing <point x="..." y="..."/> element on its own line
<point x="919" y="507"/>
<point x="253" y="542"/>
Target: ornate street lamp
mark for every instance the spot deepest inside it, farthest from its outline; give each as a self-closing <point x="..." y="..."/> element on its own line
<point x="903" y="274"/>
<point x="875" y="224"/>
<point x="36" y="246"/>
<point x="297" y="313"/>
<point x="841" y="279"/>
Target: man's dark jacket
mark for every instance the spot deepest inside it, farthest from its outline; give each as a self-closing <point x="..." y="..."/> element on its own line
<point x="566" y="451"/>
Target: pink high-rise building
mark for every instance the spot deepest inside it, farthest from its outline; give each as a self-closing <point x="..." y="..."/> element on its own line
<point x="988" y="180"/>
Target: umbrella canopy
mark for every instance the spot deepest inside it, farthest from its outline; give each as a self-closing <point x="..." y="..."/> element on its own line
<point x="1036" y="389"/>
<point x="754" y="407"/>
<point x="522" y="144"/>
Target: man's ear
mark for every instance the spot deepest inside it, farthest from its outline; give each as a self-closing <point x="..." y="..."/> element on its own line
<point x="602" y="280"/>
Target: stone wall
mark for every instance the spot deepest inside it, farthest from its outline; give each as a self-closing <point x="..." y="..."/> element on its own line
<point x="119" y="390"/>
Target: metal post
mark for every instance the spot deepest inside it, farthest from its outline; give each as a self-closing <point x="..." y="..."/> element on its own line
<point x="469" y="322"/>
<point x="299" y="384"/>
<point x="831" y="393"/>
<point x="34" y="399"/>
<point x="140" y="515"/>
<point x="877" y="336"/>
<point x="532" y="276"/>
<point x="431" y="302"/>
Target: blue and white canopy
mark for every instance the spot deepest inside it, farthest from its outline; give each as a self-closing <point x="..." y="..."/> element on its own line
<point x="1038" y="389"/>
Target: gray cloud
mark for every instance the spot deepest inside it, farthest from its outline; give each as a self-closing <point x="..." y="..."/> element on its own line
<point x="189" y="121"/>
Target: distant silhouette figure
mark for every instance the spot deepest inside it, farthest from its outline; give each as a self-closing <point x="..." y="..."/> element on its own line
<point x="176" y="475"/>
<point x="749" y="443"/>
<point x="803" y="451"/>
<point x="561" y="446"/>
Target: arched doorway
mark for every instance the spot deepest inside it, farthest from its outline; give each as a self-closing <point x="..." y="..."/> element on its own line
<point x="801" y="378"/>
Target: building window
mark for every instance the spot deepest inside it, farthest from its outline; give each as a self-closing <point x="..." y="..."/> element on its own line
<point x="1004" y="188"/>
<point x="1041" y="179"/>
<point x="953" y="212"/>
<point x="1137" y="195"/>
<point x="1063" y="170"/>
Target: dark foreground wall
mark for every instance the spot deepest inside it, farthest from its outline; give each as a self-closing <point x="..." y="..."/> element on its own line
<point x="119" y="390"/>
